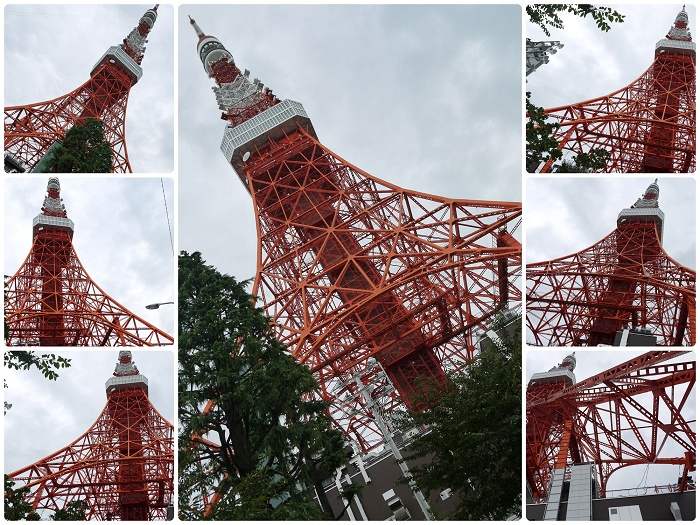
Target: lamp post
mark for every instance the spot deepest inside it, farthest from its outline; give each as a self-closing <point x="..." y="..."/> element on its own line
<point x="155" y="306"/>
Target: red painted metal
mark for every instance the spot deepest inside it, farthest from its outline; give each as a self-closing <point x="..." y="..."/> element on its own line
<point x="122" y="466"/>
<point x="647" y="126"/>
<point x="625" y="279"/>
<point x="362" y="277"/>
<point x="30" y="130"/>
<point x="632" y="414"/>
<point x="52" y="301"/>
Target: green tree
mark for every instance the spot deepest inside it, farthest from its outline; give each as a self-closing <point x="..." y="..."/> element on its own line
<point x="475" y="439"/>
<point x="84" y="150"/>
<point x="74" y="511"/>
<point x="47" y="364"/>
<point x="544" y="15"/>
<point x="264" y="440"/>
<point x="540" y="144"/>
<point x="16" y="508"/>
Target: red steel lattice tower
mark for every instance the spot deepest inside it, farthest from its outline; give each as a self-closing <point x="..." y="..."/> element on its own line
<point x="363" y="278"/>
<point x="31" y="130"/>
<point x="647" y="126"/>
<point x="632" y="414"/>
<point x="625" y="281"/>
<point x="122" y="466"/>
<point x="52" y="301"/>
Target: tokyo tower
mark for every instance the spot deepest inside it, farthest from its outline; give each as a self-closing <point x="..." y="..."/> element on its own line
<point x="369" y="283"/>
<point x="32" y="130"/>
<point x="52" y="301"/>
<point x="638" y="412"/>
<point x="122" y="466"/>
<point x="647" y="126"/>
<point x="625" y="282"/>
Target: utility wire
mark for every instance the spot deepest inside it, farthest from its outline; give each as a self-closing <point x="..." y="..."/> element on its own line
<point x="167" y="217"/>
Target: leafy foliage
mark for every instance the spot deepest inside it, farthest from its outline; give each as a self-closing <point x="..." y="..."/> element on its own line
<point x="23" y="360"/>
<point x="540" y="144"/>
<point x="16" y="508"/>
<point x="475" y="434"/>
<point x="84" y="150"/>
<point x="264" y="440"/>
<point x="545" y="15"/>
<point x="74" y="511"/>
<point x="46" y="363"/>
<point x="590" y="162"/>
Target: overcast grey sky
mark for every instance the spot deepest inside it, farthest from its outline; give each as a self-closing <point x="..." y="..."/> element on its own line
<point x="48" y="415"/>
<point x="590" y="362"/>
<point x="594" y="63"/>
<point x="426" y="97"/>
<point x="121" y="235"/>
<point x="566" y="215"/>
<point x="50" y="50"/>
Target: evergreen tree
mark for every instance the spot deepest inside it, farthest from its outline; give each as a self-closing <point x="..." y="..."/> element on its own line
<point x="475" y="437"/>
<point x="16" y="508"/>
<point x="83" y="150"/>
<point x="540" y="145"/>
<point x="251" y="429"/>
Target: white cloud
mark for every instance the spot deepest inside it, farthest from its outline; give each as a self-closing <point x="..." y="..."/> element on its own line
<point x="566" y="215"/>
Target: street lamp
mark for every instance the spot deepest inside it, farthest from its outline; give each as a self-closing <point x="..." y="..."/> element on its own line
<point x="155" y="306"/>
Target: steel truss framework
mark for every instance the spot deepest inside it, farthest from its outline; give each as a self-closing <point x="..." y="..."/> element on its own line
<point x="631" y="414"/>
<point x="647" y="126"/>
<point x="52" y="301"/>
<point x="122" y="466"/>
<point x="352" y="267"/>
<point x="30" y="130"/>
<point x="362" y="278"/>
<point x="626" y="279"/>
